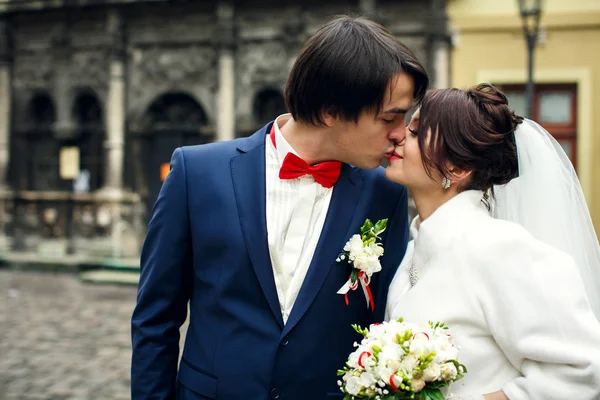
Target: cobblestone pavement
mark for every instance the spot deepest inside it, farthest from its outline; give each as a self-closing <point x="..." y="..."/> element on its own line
<point x="63" y="339"/>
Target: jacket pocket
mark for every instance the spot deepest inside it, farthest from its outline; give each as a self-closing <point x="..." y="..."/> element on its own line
<point x="197" y="381"/>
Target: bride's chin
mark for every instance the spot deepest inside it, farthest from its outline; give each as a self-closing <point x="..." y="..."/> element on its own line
<point x="393" y="175"/>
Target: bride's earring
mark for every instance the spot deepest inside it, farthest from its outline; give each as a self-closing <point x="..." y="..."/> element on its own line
<point x="446" y="183"/>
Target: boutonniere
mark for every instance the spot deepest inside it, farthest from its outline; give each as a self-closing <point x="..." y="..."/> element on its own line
<point x="363" y="251"/>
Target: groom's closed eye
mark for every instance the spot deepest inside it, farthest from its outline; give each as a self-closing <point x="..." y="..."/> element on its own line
<point x="393" y="114"/>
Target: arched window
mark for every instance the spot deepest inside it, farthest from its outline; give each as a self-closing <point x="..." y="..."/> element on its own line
<point x="39" y="147"/>
<point x="174" y="119"/>
<point x="268" y="104"/>
<point x="41" y="111"/>
<point x="175" y="111"/>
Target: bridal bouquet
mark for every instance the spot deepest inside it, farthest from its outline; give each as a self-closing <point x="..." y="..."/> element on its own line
<point x="399" y="360"/>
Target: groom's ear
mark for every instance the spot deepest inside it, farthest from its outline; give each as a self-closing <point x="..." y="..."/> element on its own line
<point x="329" y="117"/>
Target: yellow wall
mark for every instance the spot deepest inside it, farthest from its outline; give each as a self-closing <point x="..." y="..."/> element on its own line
<point x="489" y="46"/>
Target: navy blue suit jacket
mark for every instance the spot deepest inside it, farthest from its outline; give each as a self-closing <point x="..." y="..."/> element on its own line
<point x="207" y="245"/>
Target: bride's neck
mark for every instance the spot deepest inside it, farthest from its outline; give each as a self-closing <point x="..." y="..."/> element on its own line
<point x="427" y="202"/>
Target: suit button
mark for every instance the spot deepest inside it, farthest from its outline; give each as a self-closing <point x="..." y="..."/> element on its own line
<point x="275" y="394"/>
<point x="285" y="342"/>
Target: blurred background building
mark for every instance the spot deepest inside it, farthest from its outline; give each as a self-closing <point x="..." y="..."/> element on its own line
<point x="96" y="94"/>
<point x="489" y="45"/>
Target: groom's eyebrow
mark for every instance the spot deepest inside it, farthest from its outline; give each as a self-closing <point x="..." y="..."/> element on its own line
<point x="396" y="110"/>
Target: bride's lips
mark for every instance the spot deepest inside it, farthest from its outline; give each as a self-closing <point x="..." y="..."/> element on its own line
<point x="392" y="156"/>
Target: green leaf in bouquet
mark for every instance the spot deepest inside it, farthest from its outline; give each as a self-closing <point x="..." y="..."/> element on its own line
<point x="403" y="395"/>
<point x="437" y="385"/>
<point x="462" y="370"/>
<point x="359" y="329"/>
<point x="434" y="325"/>
<point x="431" y="394"/>
<point x="376" y="349"/>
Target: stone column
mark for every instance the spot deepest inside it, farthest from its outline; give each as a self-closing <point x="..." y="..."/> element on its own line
<point x="64" y="126"/>
<point x="226" y="96"/>
<point x="5" y="100"/>
<point x="115" y="105"/>
<point x="441" y="64"/>
<point x="5" y="124"/>
<point x="438" y="44"/>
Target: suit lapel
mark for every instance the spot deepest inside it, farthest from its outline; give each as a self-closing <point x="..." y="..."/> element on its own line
<point x="335" y="233"/>
<point x="248" y="174"/>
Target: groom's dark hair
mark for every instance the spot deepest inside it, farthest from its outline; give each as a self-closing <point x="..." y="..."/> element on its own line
<point x="346" y="68"/>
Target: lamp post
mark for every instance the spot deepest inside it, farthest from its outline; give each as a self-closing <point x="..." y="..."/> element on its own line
<point x="530" y="11"/>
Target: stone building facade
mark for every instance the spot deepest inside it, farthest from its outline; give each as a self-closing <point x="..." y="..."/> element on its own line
<point x="95" y="96"/>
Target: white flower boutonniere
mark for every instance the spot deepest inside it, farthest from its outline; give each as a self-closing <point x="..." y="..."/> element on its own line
<point x="363" y="251"/>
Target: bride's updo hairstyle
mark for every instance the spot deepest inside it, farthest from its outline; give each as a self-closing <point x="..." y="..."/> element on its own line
<point x="472" y="130"/>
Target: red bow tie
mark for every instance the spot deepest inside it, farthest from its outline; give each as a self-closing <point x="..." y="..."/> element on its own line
<point x="326" y="173"/>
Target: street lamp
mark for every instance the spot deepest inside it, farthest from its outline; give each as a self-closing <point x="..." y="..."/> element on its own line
<point x="530" y="11"/>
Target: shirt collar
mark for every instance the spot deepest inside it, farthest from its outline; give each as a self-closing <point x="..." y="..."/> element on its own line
<point x="283" y="147"/>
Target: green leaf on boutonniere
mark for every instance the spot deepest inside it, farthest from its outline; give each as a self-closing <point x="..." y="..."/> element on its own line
<point x="354" y="275"/>
<point x="366" y="228"/>
<point x="380" y="226"/>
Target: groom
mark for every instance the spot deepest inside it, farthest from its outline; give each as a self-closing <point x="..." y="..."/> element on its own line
<point x="248" y="234"/>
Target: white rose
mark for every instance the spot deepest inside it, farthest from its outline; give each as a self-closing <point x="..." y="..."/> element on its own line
<point x="377" y="249"/>
<point x="394" y="365"/>
<point x="354" y="246"/>
<point x="448" y="372"/>
<point x="355" y="356"/>
<point x="408" y="364"/>
<point x="417" y="384"/>
<point x="444" y="349"/>
<point x="353" y="385"/>
<point x="382" y="372"/>
<point x="421" y="346"/>
<point x="446" y="354"/>
<point x="378" y="330"/>
<point x="432" y="372"/>
<point x="390" y="354"/>
<point x="367" y="379"/>
<point x="369" y="263"/>
<point x="395" y="328"/>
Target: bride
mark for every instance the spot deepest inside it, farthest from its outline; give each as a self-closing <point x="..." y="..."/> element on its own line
<point x="503" y="252"/>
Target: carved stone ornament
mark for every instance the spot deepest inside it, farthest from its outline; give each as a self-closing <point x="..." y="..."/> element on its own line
<point x="89" y="68"/>
<point x="263" y="64"/>
<point x="174" y="67"/>
<point x="32" y="71"/>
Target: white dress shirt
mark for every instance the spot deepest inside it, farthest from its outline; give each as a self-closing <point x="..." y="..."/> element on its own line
<point x="516" y="306"/>
<point x="296" y="211"/>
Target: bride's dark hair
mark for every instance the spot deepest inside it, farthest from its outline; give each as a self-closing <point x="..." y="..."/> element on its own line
<point x="472" y="130"/>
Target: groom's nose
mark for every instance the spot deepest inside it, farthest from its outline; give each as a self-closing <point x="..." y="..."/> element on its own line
<point x="398" y="134"/>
